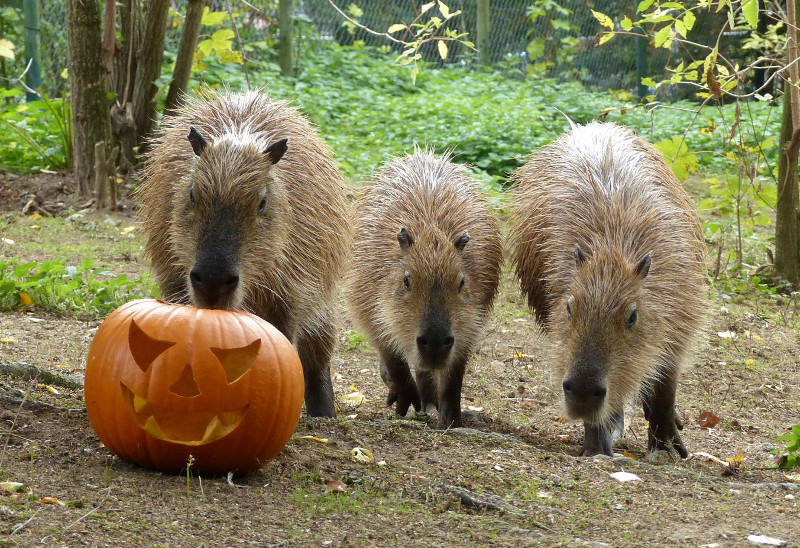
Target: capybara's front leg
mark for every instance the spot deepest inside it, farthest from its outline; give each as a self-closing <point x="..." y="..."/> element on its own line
<point x="451" y="381"/>
<point x="598" y="439"/>
<point x="428" y="390"/>
<point x="315" y="348"/>
<point x="658" y="402"/>
<point x="402" y="388"/>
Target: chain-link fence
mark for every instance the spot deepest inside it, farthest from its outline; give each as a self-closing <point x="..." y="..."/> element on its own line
<point x="539" y="38"/>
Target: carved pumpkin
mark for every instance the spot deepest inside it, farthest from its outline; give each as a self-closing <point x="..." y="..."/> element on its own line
<point x="166" y="381"/>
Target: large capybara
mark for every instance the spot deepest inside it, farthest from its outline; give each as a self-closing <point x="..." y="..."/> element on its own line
<point x="609" y="251"/>
<point x="244" y="208"/>
<point x="426" y="266"/>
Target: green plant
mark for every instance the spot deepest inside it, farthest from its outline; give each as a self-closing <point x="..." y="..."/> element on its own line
<point x="83" y="290"/>
<point x="792" y="439"/>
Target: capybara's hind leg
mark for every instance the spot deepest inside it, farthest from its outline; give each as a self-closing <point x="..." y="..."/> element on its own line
<point x="402" y="388"/>
<point x="658" y="401"/>
<point x="315" y="348"/>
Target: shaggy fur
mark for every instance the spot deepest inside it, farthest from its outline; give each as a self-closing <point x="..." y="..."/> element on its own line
<point x="287" y="222"/>
<point x="436" y="202"/>
<point x="602" y="188"/>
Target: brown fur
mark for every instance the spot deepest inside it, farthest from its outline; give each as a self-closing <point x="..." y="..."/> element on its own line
<point x="436" y="202"/>
<point x="604" y="189"/>
<point x="291" y="255"/>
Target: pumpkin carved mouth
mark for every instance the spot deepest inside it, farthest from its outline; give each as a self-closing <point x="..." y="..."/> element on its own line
<point x="184" y="427"/>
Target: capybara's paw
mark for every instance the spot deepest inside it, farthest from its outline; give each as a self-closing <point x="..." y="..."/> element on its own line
<point x="404" y="399"/>
<point x="661" y="438"/>
<point x="597" y="440"/>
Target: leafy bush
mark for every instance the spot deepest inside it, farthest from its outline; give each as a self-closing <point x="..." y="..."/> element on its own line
<point x="58" y="287"/>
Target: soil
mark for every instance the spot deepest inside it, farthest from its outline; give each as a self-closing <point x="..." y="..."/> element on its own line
<point x="510" y="477"/>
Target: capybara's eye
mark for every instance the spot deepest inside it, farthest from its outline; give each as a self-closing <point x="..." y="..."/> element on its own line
<point x="263" y="205"/>
<point x="570" y="303"/>
<point x="407" y="281"/>
<point x="634" y="315"/>
<point x="191" y="195"/>
<point x="461" y="283"/>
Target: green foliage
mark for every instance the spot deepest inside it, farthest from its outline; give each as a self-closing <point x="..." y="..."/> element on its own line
<point x="356" y="340"/>
<point x="36" y="135"/>
<point x="676" y="153"/>
<point x="792" y="459"/>
<point x="55" y="286"/>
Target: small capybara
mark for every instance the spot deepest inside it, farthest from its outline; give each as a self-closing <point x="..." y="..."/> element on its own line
<point x="609" y="251"/>
<point x="426" y="267"/>
<point x="244" y="208"/>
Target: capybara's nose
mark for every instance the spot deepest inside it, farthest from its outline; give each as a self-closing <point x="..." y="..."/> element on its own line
<point x="434" y="345"/>
<point x="213" y="286"/>
<point x="586" y="390"/>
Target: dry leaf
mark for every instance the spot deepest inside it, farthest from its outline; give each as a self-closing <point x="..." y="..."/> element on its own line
<point x="626" y="453"/>
<point x="7" y="241"/>
<point x="359" y="454"/>
<point x="738" y="458"/>
<point x="7" y="340"/>
<point x="474" y="408"/>
<point x="710" y="457"/>
<point x="51" y="500"/>
<point x="314" y="438"/>
<point x="765" y="540"/>
<point x="707" y="419"/>
<point x="726" y="335"/>
<point x="49" y="388"/>
<point x="335" y="486"/>
<point x="353" y="398"/>
<point x="34" y="216"/>
<point x="25" y="299"/>
<point x="35" y="227"/>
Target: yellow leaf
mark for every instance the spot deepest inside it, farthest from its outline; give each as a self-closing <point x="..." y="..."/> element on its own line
<point x="35" y="227"/>
<point x="359" y="454"/>
<point x="626" y="453"/>
<point x="519" y="355"/>
<point x="7" y="340"/>
<point x="6" y="48"/>
<point x="605" y="38"/>
<point x="604" y="19"/>
<point x="750" y="362"/>
<point x="738" y="458"/>
<point x="25" y="299"/>
<point x="443" y="8"/>
<point x="49" y="388"/>
<point x="128" y="229"/>
<point x="314" y="438"/>
<point x="395" y="28"/>
<point x="442" y="49"/>
<point x="353" y="398"/>
<point x="34" y="216"/>
<point x="8" y="241"/>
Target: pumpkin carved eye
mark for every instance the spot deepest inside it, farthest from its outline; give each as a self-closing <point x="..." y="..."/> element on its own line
<point x="237" y="361"/>
<point x="144" y="348"/>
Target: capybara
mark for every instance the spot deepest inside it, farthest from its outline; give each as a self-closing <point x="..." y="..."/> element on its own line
<point x="608" y="249"/>
<point x="426" y="266"/>
<point x="244" y="208"/>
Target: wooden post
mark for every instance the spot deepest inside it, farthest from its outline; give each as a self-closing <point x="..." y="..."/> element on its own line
<point x="285" y="38"/>
<point x="484" y="29"/>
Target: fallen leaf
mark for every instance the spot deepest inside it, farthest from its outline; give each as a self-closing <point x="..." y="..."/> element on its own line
<point x="565" y="437"/>
<point x="544" y="495"/>
<point x="710" y="457"/>
<point x="25" y="299"/>
<point x="738" y="458"/>
<point x="381" y="463"/>
<point x="51" y="500"/>
<point x="626" y="453"/>
<point x="7" y="340"/>
<point x="353" y="398"/>
<point x="335" y="486"/>
<point x="359" y="454"/>
<point x="792" y="477"/>
<point x="474" y="408"/>
<point x="34" y="216"/>
<point x="726" y="335"/>
<point x="498" y="468"/>
<point x="128" y="229"/>
<point x="314" y="438"/>
<point x="49" y="388"/>
<point x="11" y="486"/>
<point x="520" y="355"/>
<point x="625" y="476"/>
<point x="35" y="227"/>
<point x="8" y="241"/>
<point x="765" y="540"/>
<point x="707" y="419"/>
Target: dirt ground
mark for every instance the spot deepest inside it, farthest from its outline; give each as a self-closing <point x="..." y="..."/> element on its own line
<point x="510" y="477"/>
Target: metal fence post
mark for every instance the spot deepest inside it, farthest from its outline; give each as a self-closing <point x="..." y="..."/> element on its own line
<point x="33" y="78"/>
<point x="285" y="38"/>
<point x="484" y="29"/>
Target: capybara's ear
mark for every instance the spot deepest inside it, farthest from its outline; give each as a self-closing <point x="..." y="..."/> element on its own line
<point x="643" y="267"/>
<point x="198" y="143"/>
<point x="461" y="241"/>
<point x="580" y="258"/>
<point x="405" y="238"/>
<point x="276" y="150"/>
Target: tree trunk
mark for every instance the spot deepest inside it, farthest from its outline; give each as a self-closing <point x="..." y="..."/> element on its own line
<point x="90" y="108"/>
<point x="183" y="64"/>
<point x="149" y="56"/>
<point x="787" y="209"/>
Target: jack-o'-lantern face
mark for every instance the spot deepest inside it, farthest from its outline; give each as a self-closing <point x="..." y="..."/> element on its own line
<point x="167" y="381"/>
<point x="167" y="421"/>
